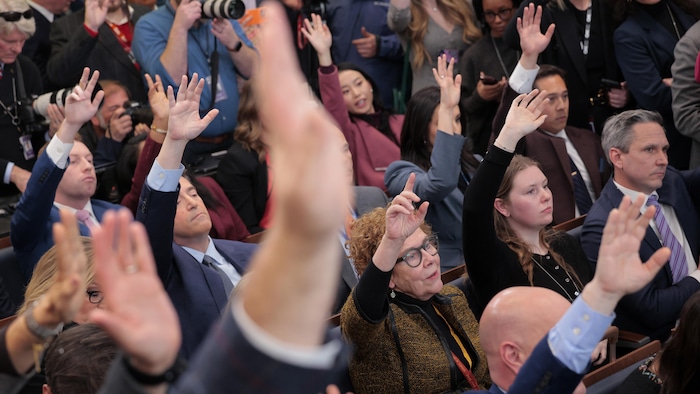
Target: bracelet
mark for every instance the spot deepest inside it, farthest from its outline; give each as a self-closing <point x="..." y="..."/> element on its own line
<point x="157" y="130"/>
<point x="39" y="331"/>
<point x="236" y="48"/>
<point x="169" y="376"/>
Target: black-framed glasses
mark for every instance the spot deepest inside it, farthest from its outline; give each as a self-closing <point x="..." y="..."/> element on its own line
<point x="14" y="16"/>
<point x="94" y="296"/>
<point x="503" y="13"/>
<point x="413" y="257"/>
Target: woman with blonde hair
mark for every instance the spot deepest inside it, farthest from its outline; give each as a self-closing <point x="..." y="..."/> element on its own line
<point x="430" y="28"/>
<point x="45" y="275"/>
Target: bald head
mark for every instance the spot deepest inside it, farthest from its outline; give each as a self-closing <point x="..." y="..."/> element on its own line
<point x="513" y="323"/>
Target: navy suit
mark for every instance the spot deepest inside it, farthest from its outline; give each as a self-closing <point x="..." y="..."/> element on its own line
<point x="654" y="309"/>
<point x="196" y="291"/>
<point x="31" y="229"/>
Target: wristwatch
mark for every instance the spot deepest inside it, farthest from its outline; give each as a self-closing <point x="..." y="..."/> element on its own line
<point x="39" y="331"/>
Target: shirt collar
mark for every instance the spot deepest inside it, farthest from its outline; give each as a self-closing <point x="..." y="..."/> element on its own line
<point x="211" y="252"/>
<point x="42" y="10"/>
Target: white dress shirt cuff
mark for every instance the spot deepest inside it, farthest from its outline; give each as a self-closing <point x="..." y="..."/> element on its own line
<point x="521" y="80"/>
<point x="59" y="151"/>
<point x="8" y="172"/>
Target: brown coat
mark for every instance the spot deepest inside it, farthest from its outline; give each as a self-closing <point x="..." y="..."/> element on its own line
<point x="378" y="365"/>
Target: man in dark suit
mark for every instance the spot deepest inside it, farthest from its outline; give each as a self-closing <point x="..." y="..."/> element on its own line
<point x="637" y="148"/>
<point x="571" y="158"/>
<point x="38" y="46"/>
<point x="198" y="272"/>
<point x="63" y="177"/>
<point x="99" y="37"/>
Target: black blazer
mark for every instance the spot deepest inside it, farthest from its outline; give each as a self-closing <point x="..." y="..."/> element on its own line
<point x="72" y="49"/>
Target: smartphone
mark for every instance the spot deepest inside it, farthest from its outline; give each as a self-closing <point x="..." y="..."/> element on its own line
<point x="487" y="80"/>
<point x="610" y="84"/>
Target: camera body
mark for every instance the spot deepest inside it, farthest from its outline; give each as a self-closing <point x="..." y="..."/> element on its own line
<point x="32" y="111"/>
<point x="224" y="9"/>
<point x="317" y="7"/>
<point x="139" y="113"/>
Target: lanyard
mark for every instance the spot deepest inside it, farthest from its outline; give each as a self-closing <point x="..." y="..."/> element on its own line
<point x="587" y="31"/>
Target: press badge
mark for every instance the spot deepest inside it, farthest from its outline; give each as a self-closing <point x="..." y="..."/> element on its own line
<point x="220" y="91"/>
<point x="27" y="148"/>
<point x="451" y="54"/>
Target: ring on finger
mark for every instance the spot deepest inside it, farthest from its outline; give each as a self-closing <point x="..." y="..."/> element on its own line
<point x="131" y="269"/>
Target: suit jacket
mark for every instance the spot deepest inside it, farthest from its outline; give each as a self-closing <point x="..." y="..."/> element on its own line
<point x="565" y="51"/>
<point x="366" y="199"/>
<point x="72" y="49"/>
<point x="196" y="291"/>
<point x="686" y="89"/>
<point x="654" y="309"/>
<point x="31" y="228"/>
<point x="551" y="153"/>
<point x="644" y="50"/>
<point x="38" y="46"/>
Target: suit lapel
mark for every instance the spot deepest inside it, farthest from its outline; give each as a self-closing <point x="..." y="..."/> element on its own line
<point x="559" y="147"/>
<point x="567" y="28"/>
<point x="587" y="154"/>
<point x="110" y="42"/>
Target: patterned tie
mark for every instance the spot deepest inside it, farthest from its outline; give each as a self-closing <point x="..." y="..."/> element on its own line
<point x="85" y="218"/>
<point x="583" y="199"/>
<point x="679" y="265"/>
<point x="211" y="263"/>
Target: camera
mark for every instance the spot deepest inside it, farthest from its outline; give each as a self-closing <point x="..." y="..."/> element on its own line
<point x="32" y="111"/>
<point x="224" y="9"/>
<point x="317" y="7"/>
<point x="139" y="113"/>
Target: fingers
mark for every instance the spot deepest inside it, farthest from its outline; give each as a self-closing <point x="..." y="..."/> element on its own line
<point x="149" y="81"/>
<point x="142" y="248"/>
<point x="408" y="187"/>
<point x="84" y="77"/>
<point x="182" y="89"/>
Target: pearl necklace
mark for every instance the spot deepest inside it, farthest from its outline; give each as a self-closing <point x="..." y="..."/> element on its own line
<point x="569" y="279"/>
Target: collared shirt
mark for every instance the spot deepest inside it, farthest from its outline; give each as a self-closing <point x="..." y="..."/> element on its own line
<point x="673" y="223"/>
<point x="576" y="158"/>
<point x="42" y="10"/>
<point x="221" y="261"/>
<point x="87" y="207"/>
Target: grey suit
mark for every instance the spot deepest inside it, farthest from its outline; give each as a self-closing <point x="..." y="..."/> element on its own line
<point x="686" y="92"/>
<point x="366" y="199"/>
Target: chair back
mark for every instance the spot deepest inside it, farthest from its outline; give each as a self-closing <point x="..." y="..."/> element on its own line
<point x="607" y="378"/>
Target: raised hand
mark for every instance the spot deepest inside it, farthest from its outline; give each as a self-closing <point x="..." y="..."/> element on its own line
<point x="137" y="311"/>
<point x="320" y="37"/>
<point x="402" y="219"/>
<point x="184" y="122"/>
<point x="119" y="125"/>
<point x="157" y="99"/>
<point x="524" y="117"/>
<point x="95" y="13"/>
<point x="532" y="41"/>
<point x="79" y="106"/>
<point x="619" y="270"/>
<point x="66" y="295"/>
<point x="450" y="85"/>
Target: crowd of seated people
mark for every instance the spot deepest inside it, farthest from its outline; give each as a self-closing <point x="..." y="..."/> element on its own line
<point x="202" y="279"/>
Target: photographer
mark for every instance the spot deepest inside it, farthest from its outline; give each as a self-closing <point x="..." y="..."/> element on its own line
<point x="18" y="77"/>
<point x="174" y="41"/>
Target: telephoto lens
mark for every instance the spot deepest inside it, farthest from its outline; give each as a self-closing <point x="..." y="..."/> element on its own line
<point x="224" y="9"/>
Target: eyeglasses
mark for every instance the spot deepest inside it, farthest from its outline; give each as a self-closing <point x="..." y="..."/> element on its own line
<point x="504" y="14"/>
<point x="94" y="296"/>
<point x="14" y="16"/>
<point x="414" y="257"/>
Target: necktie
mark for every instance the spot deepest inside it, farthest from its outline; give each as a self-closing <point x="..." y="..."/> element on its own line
<point x="583" y="199"/>
<point x="211" y="263"/>
<point x="678" y="263"/>
<point x="85" y="218"/>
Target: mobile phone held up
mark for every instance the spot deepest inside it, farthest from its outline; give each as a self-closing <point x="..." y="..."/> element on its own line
<point x="487" y="80"/>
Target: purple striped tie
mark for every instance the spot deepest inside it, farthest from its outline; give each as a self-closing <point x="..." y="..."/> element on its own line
<point x="679" y="265"/>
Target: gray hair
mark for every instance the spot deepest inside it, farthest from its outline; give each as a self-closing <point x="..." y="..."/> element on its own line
<point x="617" y="132"/>
<point x="25" y="26"/>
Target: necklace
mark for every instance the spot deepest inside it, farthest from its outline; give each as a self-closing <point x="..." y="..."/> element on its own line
<point x="569" y="279"/>
<point x="673" y="20"/>
<point x="500" y="59"/>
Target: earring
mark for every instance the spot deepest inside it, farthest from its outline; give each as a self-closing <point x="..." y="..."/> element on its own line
<point x="392" y="294"/>
<point x="371" y="90"/>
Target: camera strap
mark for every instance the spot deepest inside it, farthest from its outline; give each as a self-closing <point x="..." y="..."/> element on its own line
<point x="214" y="66"/>
<point x="20" y="86"/>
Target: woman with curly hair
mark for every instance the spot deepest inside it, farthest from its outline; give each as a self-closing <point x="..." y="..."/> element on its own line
<point x="411" y="334"/>
<point x="430" y="28"/>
